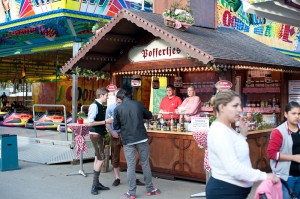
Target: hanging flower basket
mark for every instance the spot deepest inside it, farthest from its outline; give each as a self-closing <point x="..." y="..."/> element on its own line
<point x="178" y="17"/>
<point x="173" y="23"/>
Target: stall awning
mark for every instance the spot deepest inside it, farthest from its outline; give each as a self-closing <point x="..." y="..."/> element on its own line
<point x="282" y="11"/>
<point x="223" y="45"/>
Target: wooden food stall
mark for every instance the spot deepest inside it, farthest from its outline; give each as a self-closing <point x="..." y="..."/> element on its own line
<point x="138" y="43"/>
<point x="177" y="155"/>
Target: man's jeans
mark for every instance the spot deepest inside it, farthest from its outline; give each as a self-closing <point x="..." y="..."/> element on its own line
<point x="130" y="155"/>
<point x="294" y="184"/>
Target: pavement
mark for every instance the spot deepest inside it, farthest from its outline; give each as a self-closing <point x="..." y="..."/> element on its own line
<point x="36" y="181"/>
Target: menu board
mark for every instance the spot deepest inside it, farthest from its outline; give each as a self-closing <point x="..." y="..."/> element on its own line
<point x="200" y="124"/>
<point x="294" y="87"/>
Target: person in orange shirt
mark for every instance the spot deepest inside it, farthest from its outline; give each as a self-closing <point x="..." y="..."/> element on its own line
<point x="169" y="104"/>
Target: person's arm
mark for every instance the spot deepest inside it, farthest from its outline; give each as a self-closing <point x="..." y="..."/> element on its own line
<point x="273" y="150"/>
<point x="116" y="121"/>
<point x="93" y="111"/>
<point x="109" y="114"/>
<point x="146" y="113"/>
<point x="275" y="143"/>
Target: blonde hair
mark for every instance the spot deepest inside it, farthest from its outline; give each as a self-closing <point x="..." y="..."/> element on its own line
<point x="101" y="91"/>
<point x="224" y="97"/>
<point x="193" y="87"/>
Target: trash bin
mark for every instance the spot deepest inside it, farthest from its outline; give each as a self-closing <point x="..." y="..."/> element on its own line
<point x="8" y="152"/>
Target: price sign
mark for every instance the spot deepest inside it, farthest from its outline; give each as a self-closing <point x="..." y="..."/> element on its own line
<point x="200" y="124"/>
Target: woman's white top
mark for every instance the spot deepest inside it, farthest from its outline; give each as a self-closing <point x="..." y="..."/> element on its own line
<point x="228" y="156"/>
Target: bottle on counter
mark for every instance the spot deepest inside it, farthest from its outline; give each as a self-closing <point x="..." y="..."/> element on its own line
<point x="164" y="126"/>
<point x="158" y="126"/>
<point x="172" y="123"/>
<point x="178" y="127"/>
<point x="181" y="126"/>
<point x="274" y="102"/>
<point x="175" y="126"/>
<point x="277" y="102"/>
<point x="168" y="125"/>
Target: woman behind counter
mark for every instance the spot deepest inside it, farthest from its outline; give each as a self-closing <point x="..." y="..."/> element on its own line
<point x="191" y="106"/>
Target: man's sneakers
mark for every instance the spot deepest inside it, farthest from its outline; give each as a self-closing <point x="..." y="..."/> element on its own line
<point x="127" y="195"/>
<point x="154" y="191"/>
<point x="139" y="183"/>
<point x="116" y="182"/>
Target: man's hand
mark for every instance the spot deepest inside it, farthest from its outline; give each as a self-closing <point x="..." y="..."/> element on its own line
<point x="296" y="158"/>
<point x="109" y="121"/>
<point x="114" y="134"/>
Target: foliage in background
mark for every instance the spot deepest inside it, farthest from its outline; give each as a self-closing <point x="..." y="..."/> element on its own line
<point x="99" y="24"/>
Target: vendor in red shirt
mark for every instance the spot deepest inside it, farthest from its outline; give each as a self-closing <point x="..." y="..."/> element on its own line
<point x="169" y="104"/>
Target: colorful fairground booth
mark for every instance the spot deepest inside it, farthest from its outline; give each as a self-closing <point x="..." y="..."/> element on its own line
<point x="144" y="54"/>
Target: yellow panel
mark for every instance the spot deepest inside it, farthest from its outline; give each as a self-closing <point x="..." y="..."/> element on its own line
<point x="73" y="5"/>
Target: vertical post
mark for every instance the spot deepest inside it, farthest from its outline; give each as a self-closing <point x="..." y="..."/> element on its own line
<point x="143" y="5"/>
<point x="74" y="97"/>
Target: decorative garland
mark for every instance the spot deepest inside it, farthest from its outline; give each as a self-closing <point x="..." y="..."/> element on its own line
<point x="87" y="73"/>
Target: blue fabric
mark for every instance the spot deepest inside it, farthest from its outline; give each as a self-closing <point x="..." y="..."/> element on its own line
<point x="219" y="189"/>
<point x="109" y="113"/>
<point x="294" y="184"/>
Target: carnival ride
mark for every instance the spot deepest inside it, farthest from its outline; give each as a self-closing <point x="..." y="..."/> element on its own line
<point x="46" y="120"/>
<point x="18" y="117"/>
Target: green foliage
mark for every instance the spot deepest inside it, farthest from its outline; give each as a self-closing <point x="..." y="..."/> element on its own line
<point x="257" y="117"/>
<point x="107" y="139"/>
<point x="264" y="125"/>
<point x="99" y="24"/>
<point x="87" y="73"/>
<point x="179" y="13"/>
<point x="80" y="114"/>
<point x="212" y="119"/>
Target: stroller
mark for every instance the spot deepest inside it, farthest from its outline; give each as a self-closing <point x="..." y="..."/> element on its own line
<point x="265" y="195"/>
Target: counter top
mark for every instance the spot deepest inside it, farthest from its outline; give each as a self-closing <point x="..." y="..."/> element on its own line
<point x="190" y="133"/>
<point x="260" y="131"/>
<point x="169" y="132"/>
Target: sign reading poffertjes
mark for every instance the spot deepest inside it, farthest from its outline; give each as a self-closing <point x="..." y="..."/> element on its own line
<point x="223" y="85"/>
<point x="199" y="124"/>
<point x="155" y="50"/>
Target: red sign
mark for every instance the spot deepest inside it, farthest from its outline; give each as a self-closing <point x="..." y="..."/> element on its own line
<point x="111" y="87"/>
<point x="223" y="85"/>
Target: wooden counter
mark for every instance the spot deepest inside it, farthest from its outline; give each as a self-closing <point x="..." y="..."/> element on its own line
<point x="177" y="155"/>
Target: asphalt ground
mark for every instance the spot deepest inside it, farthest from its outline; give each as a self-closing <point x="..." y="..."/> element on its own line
<point x="40" y="181"/>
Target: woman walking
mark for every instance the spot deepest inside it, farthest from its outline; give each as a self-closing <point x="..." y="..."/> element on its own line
<point x="228" y="152"/>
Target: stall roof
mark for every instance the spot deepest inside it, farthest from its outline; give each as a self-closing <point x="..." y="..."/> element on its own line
<point x="223" y="45"/>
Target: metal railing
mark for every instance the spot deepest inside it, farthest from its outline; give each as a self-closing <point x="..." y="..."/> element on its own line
<point x="83" y="106"/>
<point x="50" y="105"/>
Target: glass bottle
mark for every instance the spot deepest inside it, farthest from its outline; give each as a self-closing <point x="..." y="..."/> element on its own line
<point x="172" y="123"/>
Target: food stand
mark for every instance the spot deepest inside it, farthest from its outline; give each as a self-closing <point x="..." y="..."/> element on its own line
<point x="138" y="43"/>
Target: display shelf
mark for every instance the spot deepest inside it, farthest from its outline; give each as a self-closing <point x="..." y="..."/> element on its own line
<point x="262" y="110"/>
<point x="199" y="90"/>
<point x="261" y="90"/>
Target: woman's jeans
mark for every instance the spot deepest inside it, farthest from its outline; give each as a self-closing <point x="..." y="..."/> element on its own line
<point x="217" y="189"/>
<point x="294" y="184"/>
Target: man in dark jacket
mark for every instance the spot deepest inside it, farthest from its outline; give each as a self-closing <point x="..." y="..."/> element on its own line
<point x="129" y="118"/>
